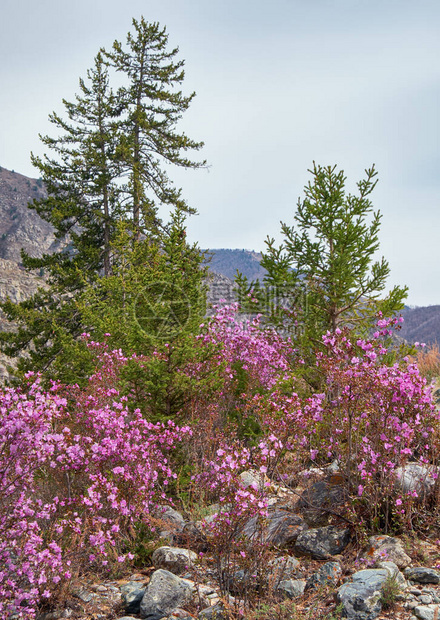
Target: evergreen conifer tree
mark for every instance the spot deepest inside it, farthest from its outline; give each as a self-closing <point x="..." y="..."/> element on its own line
<point x="108" y="167"/>
<point x="323" y="275"/>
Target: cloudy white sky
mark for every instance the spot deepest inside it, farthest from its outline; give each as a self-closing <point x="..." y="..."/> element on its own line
<point x="279" y="84"/>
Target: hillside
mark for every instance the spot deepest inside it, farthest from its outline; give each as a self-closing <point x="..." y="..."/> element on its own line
<point x="21" y="227"/>
<point x="228" y="262"/>
<point x="421" y="324"/>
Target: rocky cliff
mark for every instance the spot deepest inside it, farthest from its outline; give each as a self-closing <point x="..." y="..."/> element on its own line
<point x="21" y="227"/>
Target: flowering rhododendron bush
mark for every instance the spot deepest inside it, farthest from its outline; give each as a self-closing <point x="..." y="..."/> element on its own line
<point x="373" y="418"/>
<point x="244" y="360"/>
<point x="238" y="502"/>
<point x="80" y="468"/>
<point x="74" y="477"/>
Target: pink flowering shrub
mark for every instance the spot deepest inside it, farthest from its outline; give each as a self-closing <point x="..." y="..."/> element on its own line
<point x="237" y="502"/>
<point x="74" y="477"/>
<point x="244" y="360"/>
<point x="261" y="352"/>
<point x="373" y="418"/>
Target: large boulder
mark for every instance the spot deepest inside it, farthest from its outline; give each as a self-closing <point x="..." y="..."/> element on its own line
<point x="416" y="478"/>
<point x="318" y="500"/>
<point x="163" y="595"/>
<point x="170" y="522"/>
<point x="292" y="588"/>
<point x="427" y="612"/>
<point x="132" y="594"/>
<point x="421" y="574"/>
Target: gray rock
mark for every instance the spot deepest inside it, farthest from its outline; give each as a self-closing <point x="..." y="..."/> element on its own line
<point x="163" y="595"/>
<point x="171" y="522"/>
<point x="282" y="568"/>
<point x="84" y="595"/>
<point x="191" y="536"/>
<point x="394" y="572"/>
<point x="322" y="542"/>
<point x="420" y="574"/>
<point x="174" y="559"/>
<point x="170" y="516"/>
<point x="280" y="528"/>
<point x="251" y="478"/>
<point x="128" y="618"/>
<point x="387" y="548"/>
<point x="132" y="594"/>
<point x="425" y="599"/>
<point x="427" y="612"/>
<point x="327" y="575"/>
<point x="415" y="477"/>
<point x="292" y="588"/>
<point x="360" y="598"/>
<point x="180" y="614"/>
<point x="320" y="496"/>
<point x="216" y="612"/>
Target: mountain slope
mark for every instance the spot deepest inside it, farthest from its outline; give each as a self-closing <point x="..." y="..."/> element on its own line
<point x="21" y="227"/>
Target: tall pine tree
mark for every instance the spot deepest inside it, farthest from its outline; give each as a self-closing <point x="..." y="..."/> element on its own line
<point x="108" y="165"/>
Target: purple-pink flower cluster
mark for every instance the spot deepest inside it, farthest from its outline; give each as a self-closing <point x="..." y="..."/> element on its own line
<point x="73" y="477"/>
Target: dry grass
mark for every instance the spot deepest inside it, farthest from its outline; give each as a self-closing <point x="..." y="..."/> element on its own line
<point x="428" y="361"/>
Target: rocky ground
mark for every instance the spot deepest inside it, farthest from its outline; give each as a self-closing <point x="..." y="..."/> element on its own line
<point x="317" y="569"/>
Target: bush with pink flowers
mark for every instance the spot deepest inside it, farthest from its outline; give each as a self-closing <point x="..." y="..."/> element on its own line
<point x="73" y="482"/>
<point x="81" y="468"/>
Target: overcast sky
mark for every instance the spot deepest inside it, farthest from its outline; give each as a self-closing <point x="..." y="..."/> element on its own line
<point x="279" y="84"/>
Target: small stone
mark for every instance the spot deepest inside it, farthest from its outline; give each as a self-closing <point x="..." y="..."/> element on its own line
<point x="425" y="599"/>
<point x="327" y="575"/>
<point x="387" y="548"/>
<point x="132" y="594"/>
<point x="213" y="613"/>
<point x="415" y="591"/>
<point x="282" y="568"/>
<point x="174" y="559"/>
<point x="427" y="612"/>
<point x="84" y="595"/>
<point x="292" y="588"/>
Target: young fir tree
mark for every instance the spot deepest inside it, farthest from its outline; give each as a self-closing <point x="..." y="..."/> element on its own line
<point x="152" y="305"/>
<point x="109" y="165"/>
<point x="323" y="276"/>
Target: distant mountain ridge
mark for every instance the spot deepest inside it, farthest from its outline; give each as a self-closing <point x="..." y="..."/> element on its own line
<point x="21" y="227"/>
<point x="229" y="262"/>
